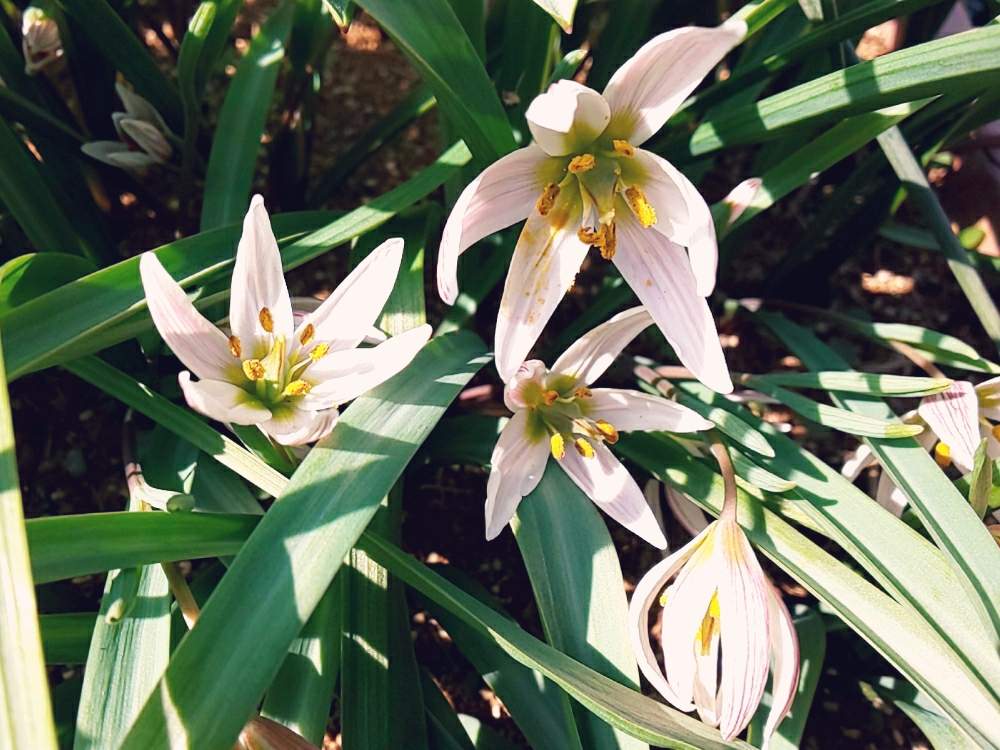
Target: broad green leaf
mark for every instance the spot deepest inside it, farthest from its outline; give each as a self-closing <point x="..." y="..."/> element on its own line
<point x="446" y="60"/>
<point x="233" y="159"/>
<point x="578" y="586"/>
<point x="118" y="43"/>
<point x="858" y="382"/>
<point x="28" y="276"/>
<point x="729" y="424"/>
<point x="899" y="633"/>
<point x="287" y="564"/>
<point x="74" y="321"/>
<point x="947" y="515"/>
<point x="444" y="730"/>
<point x="25" y="710"/>
<point x="758" y="476"/>
<point x="17" y="108"/>
<point x="943" y="733"/>
<point x="66" y="637"/>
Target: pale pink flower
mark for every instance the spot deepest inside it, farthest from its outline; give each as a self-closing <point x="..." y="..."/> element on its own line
<point x="40" y="40"/>
<point x="723" y="628"/>
<point x="584" y="182"/>
<point x="285" y="375"/>
<point x="557" y="413"/>
<point x="144" y="136"/>
<point x="740" y="198"/>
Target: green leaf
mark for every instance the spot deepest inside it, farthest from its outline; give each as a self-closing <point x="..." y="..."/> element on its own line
<point x="66" y="637"/>
<point x="444" y="730"/>
<point x="25" y="710"/>
<point x="729" y="424"/>
<point x="74" y="321"/>
<point x="577" y="581"/>
<point x="232" y="161"/>
<point x="561" y="11"/>
<point x="942" y="732"/>
<point x="292" y="556"/>
<point x="858" y="382"/>
<point x="445" y="58"/>
<point x="981" y="481"/>
<point x="28" y="276"/>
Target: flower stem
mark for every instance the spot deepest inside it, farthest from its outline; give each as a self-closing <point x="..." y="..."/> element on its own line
<point x="182" y="593"/>
<point x="721" y="454"/>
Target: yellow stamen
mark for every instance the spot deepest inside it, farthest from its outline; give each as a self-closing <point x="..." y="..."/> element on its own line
<point x="584" y="448"/>
<point x="624" y="148"/>
<point x="266" y="321"/>
<point x="607" y="430"/>
<point x="589" y="236"/>
<point x="583" y="392"/>
<point x="550" y="397"/>
<point x="942" y="454"/>
<point x="297" y="388"/>
<point x="609" y="241"/>
<point x="234" y="346"/>
<point x="307" y="334"/>
<point x="318" y="352"/>
<point x="253" y="369"/>
<point x="640" y="206"/>
<point x="663" y="599"/>
<point x="558" y="446"/>
<point x="547" y="199"/>
<point x="582" y="163"/>
<point x="709" y="625"/>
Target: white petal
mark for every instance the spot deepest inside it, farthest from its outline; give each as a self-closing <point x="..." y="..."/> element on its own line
<point x="147" y="137"/>
<point x="953" y="415"/>
<point x="137" y="107"/>
<point x="516" y="468"/>
<point x="631" y="410"/>
<point x="741" y="197"/>
<point x="202" y="347"/>
<point x="688" y="515"/>
<point x="706" y="681"/>
<point x="503" y="194"/>
<point x="293" y="426"/>
<point x="889" y="496"/>
<point x="531" y="372"/>
<point x="545" y="262"/>
<point x="258" y="282"/>
<point x="567" y="118"/>
<point x="222" y="401"/>
<point x="784" y="661"/>
<point x="647" y="592"/>
<point x="857" y="462"/>
<point x="344" y="375"/>
<point x="117" y="154"/>
<point x="655" y="81"/>
<point x="347" y="315"/>
<point x="743" y="592"/>
<point x="660" y="275"/>
<point x="605" y="481"/>
<point x="592" y="353"/>
<point x="682" y="215"/>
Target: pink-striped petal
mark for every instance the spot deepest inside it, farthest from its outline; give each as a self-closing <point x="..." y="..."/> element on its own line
<point x="953" y="415"/>
<point x="646" y="594"/>
<point x="202" y="347"/>
<point x="345" y="317"/>
<point x="660" y="275"/>
<point x="546" y="260"/>
<point x="294" y="426"/>
<point x="516" y="468"/>
<point x="567" y="118"/>
<point x="605" y="481"/>
<point x="222" y="401"/>
<point x="591" y="354"/>
<point x="682" y="215"/>
<point x="631" y="410"/>
<point x="258" y="283"/>
<point x="784" y="661"/>
<point x="743" y="592"/>
<point x="344" y="375"/>
<point x="655" y="81"/>
<point x="503" y="194"/>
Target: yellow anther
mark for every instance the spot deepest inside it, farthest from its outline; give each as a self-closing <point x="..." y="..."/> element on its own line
<point x="266" y="321"/>
<point x="589" y="236"/>
<point x="307" y="334"/>
<point x="709" y="625"/>
<point x="550" y="397"/>
<point x="942" y="454"/>
<point x="583" y="392"/>
<point x="253" y="369"/>
<point x="235" y="348"/>
<point x="547" y="199"/>
<point x="558" y="446"/>
<point x="996" y="431"/>
<point x="318" y="352"/>
<point x="623" y="147"/>
<point x="640" y="206"/>
<point x="663" y="599"/>
<point x="607" y="430"/>
<point x="297" y="388"/>
<point x="584" y="448"/>
<point x="603" y="238"/>
<point x="582" y="163"/>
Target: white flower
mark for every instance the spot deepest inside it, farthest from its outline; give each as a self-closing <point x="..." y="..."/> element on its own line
<point x="584" y="182"/>
<point x="557" y="413"/>
<point x="143" y="133"/>
<point x="40" y="40"/>
<point x="723" y="627"/>
<point x="286" y="376"/>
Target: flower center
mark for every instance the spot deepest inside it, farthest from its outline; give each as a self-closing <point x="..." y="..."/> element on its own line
<point x="560" y="408"/>
<point x="606" y="180"/>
